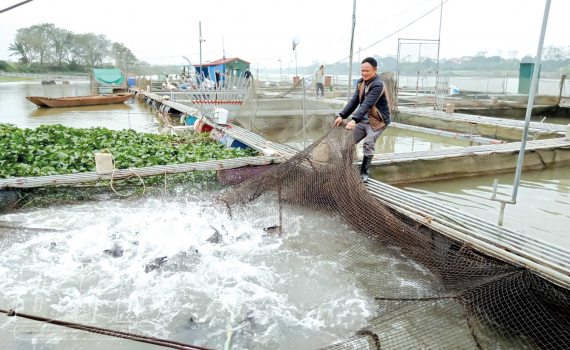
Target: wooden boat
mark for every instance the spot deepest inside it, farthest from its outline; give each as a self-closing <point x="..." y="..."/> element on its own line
<point x="91" y="100"/>
<point x="35" y="100"/>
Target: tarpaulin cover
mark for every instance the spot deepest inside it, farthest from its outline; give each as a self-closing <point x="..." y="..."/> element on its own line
<point x="108" y="76"/>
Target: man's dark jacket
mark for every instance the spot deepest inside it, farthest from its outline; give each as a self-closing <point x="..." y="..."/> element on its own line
<point x="375" y="87"/>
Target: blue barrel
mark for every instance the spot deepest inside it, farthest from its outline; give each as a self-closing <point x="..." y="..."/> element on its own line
<point x="131" y="82"/>
<point x="190" y="120"/>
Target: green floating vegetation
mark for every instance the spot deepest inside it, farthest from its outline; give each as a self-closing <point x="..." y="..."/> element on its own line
<point x="56" y="149"/>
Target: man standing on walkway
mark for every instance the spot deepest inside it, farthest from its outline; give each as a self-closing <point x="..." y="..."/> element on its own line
<point x="373" y="115"/>
<point x="247" y="73"/>
<point x="319" y="77"/>
<point x="218" y="76"/>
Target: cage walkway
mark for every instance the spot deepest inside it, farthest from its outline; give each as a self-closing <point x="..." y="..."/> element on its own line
<point x="65" y="179"/>
<point x="551" y="261"/>
<point x="247" y="137"/>
<point x="534" y="127"/>
<point x="512" y="147"/>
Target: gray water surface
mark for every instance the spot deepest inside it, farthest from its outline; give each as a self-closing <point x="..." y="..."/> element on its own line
<point x="16" y="109"/>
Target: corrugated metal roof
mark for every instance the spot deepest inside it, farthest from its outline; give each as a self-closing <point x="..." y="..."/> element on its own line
<point x="221" y="61"/>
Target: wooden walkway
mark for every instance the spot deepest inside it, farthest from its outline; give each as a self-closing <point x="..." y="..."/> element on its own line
<point x="513" y="147"/>
<point x="534" y="127"/>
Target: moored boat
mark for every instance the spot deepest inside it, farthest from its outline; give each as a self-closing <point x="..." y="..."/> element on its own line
<point x="35" y="100"/>
<point x="90" y="100"/>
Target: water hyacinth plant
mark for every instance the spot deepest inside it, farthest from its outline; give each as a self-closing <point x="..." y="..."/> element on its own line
<point x="56" y="149"/>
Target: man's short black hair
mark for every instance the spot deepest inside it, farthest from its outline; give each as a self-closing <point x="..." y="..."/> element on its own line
<point x="370" y="60"/>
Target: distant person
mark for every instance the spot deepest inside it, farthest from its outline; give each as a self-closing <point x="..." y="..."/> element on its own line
<point x="373" y="115"/>
<point x="247" y="73"/>
<point x="319" y="77"/>
<point x="218" y="77"/>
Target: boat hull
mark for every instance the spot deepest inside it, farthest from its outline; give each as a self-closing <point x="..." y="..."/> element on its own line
<point x="91" y="100"/>
<point x="35" y="100"/>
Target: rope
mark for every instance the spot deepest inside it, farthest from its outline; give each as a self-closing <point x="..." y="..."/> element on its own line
<point x="374" y="336"/>
<point x="165" y="183"/>
<point x="132" y="174"/>
<point x="108" y="332"/>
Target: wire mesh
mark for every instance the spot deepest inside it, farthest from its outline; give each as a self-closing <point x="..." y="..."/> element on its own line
<point x="447" y="296"/>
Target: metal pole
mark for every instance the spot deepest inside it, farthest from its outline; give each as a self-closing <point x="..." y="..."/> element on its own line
<point x="304" y="117"/>
<point x="223" y="48"/>
<point x="351" y="50"/>
<point x="439" y="37"/>
<point x="531" y="100"/>
<point x="14" y="6"/>
<point x="296" y="62"/>
<point x="418" y="77"/>
<point x="398" y="72"/>
<point x="200" y="25"/>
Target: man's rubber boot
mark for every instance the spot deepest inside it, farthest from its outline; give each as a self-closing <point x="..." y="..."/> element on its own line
<point x="365" y="168"/>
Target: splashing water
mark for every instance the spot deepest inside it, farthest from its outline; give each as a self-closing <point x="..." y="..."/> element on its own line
<point x="175" y="269"/>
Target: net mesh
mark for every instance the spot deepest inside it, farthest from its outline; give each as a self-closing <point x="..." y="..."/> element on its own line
<point x="446" y="295"/>
<point x="279" y="113"/>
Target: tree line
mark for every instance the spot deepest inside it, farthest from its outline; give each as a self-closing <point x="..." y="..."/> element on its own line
<point x="555" y="60"/>
<point x="46" y="45"/>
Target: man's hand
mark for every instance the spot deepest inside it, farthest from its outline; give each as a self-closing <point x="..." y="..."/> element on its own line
<point x="350" y="125"/>
<point x="338" y="121"/>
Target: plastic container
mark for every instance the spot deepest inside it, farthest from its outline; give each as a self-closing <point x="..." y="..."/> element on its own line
<point x="221" y="116"/>
<point x="103" y="163"/>
<point x="131" y="82"/>
<point x="190" y="120"/>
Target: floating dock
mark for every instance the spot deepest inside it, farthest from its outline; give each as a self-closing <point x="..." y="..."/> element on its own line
<point x="468" y="161"/>
<point x="494" y="128"/>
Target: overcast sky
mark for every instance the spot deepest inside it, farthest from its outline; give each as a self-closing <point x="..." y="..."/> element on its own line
<point x="260" y="31"/>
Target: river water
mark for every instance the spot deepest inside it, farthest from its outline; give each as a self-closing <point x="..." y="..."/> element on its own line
<point x="15" y="109"/>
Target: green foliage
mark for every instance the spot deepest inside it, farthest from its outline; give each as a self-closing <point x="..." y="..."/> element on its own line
<point x="5" y="66"/>
<point x="56" y="149"/>
<point x="46" y="44"/>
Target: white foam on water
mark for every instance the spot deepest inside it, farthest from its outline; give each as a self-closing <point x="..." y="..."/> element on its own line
<point x="270" y="294"/>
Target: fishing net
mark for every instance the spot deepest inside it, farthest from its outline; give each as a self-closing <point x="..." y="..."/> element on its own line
<point x="446" y="295"/>
<point x="291" y="114"/>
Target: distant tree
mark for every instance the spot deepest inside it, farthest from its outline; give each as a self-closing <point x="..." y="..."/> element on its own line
<point x="499" y="53"/>
<point x="553" y="53"/>
<point x="18" y="50"/>
<point x="482" y="54"/>
<point x="62" y="40"/>
<point x="41" y="40"/>
<point x="120" y="53"/>
<point x="513" y="55"/>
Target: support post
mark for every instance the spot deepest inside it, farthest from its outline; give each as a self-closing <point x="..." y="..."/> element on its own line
<point x="351" y="51"/>
<point x="304" y="115"/>
<point x="530" y="104"/>
<point x="533" y="89"/>
<point x="562" y="79"/>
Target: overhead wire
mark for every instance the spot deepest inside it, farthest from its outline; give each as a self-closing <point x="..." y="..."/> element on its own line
<point x="392" y="34"/>
<point x="363" y="30"/>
